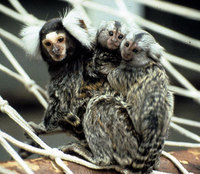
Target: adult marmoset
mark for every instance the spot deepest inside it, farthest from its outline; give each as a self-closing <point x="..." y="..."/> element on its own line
<point x="64" y="44"/>
<point x="66" y="57"/>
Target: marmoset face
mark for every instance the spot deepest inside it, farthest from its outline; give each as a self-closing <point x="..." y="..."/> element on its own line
<point x="111" y="34"/>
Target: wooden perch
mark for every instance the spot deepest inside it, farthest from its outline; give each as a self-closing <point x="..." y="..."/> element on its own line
<point x="190" y="159"/>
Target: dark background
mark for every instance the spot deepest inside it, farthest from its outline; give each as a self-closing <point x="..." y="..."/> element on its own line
<point x="27" y="105"/>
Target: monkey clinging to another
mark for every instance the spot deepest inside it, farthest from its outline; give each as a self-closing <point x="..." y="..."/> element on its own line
<point x="105" y="57"/>
<point x="128" y="130"/>
<point x="144" y="84"/>
<point x="106" y="53"/>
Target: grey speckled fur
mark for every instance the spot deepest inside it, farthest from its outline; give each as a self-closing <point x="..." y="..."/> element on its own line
<point x="127" y="123"/>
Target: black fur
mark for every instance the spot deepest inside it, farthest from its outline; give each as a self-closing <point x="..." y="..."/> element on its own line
<point x="66" y="79"/>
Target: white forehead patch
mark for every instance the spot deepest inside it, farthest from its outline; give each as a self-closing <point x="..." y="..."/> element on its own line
<point x="52" y="36"/>
<point x="108" y="25"/>
<point x="111" y="25"/>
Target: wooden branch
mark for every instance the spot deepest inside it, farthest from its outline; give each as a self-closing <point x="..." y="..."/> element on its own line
<point x="190" y="159"/>
<point x="45" y="165"/>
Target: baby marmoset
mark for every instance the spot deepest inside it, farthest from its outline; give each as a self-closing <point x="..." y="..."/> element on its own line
<point x="105" y="57"/>
<point x="106" y="50"/>
<point x="128" y="131"/>
<point x="144" y="84"/>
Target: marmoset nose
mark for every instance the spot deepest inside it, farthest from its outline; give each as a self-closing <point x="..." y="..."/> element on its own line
<point x="114" y="39"/>
<point x="56" y="50"/>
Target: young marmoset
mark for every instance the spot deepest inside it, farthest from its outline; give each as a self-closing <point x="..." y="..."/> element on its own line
<point x="128" y="131"/>
<point x="143" y="82"/>
<point x="106" y="56"/>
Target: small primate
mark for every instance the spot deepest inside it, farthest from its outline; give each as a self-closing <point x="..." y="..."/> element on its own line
<point x="106" y="56"/>
<point x="106" y="53"/>
<point x="128" y="130"/>
<point x="65" y="45"/>
<point x="142" y="80"/>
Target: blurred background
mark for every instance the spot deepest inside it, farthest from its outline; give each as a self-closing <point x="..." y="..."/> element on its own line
<point x="28" y="106"/>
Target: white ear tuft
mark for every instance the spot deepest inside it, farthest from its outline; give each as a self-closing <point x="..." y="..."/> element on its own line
<point x="156" y="51"/>
<point x="102" y="25"/>
<point x="77" y="28"/>
<point x="31" y="39"/>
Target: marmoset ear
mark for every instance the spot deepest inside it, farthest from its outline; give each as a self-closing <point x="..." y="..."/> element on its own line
<point x="77" y="27"/>
<point x="102" y="25"/>
<point x="155" y="52"/>
<point x="100" y="28"/>
<point x="31" y="39"/>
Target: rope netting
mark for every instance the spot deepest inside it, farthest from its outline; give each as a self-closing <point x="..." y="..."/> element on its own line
<point x="187" y="90"/>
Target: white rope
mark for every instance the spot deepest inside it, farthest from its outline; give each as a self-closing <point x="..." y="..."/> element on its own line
<point x="176" y="162"/>
<point x="182" y="144"/>
<point x="29" y="83"/>
<point x="11" y="73"/>
<point x="26" y="19"/>
<point x="6" y="171"/>
<point x="23" y="16"/>
<point x="185" y="92"/>
<point x="15" y="155"/>
<point x="167" y="32"/>
<point x="12" y="60"/>
<point x="185" y="132"/>
<point x="172" y="8"/>
<point x="185" y="121"/>
<point x="158" y="172"/>
<point x="11" y="37"/>
<point x="183" y="62"/>
<point x="63" y="166"/>
<point x="179" y="77"/>
<point x="5" y="108"/>
<point x="22" y="80"/>
<point x="11" y="13"/>
<point x="18" y="7"/>
<point x="54" y="153"/>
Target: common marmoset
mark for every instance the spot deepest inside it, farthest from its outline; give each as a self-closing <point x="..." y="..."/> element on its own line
<point x="143" y="82"/>
<point x="64" y="44"/>
<point x="128" y="130"/>
<point x="105" y="57"/>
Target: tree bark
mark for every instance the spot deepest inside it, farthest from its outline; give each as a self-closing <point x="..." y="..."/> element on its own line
<point x="190" y="159"/>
